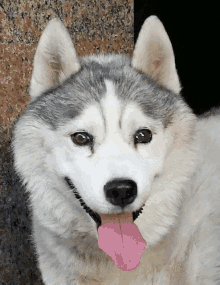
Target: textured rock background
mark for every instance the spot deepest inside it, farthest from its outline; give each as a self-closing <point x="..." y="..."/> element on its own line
<point x="95" y="26"/>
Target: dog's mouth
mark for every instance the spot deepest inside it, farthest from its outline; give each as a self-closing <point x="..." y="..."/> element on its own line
<point x="95" y="216"/>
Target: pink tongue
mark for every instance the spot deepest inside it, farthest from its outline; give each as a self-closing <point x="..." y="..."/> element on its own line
<point x="121" y="240"/>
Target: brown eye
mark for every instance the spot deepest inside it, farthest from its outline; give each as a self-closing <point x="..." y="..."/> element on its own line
<point x="81" y="138"/>
<point x="143" y="136"/>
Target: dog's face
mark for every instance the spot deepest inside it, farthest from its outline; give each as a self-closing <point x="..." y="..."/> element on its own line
<point x="109" y="140"/>
<point x="114" y="129"/>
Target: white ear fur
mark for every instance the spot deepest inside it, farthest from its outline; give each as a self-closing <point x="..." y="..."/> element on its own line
<point x="55" y="59"/>
<point x="154" y="55"/>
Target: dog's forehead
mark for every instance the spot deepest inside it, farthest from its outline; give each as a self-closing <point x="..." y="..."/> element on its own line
<point x="110" y="114"/>
<point x="116" y="114"/>
<point x="105" y="84"/>
<point x="111" y="107"/>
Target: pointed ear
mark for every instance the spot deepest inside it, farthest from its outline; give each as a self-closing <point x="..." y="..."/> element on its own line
<point x="154" y="55"/>
<point x="55" y="59"/>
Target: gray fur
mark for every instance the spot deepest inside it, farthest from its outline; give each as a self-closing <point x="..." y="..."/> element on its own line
<point x="57" y="105"/>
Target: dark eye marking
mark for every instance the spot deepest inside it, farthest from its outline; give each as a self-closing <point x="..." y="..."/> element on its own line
<point x="142" y="136"/>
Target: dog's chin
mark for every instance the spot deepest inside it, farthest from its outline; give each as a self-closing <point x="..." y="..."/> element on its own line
<point x="95" y="216"/>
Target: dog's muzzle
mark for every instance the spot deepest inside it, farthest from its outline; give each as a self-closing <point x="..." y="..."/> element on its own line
<point x="128" y="195"/>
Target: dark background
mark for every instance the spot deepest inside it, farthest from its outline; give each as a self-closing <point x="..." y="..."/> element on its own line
<point x="193" y="28"/>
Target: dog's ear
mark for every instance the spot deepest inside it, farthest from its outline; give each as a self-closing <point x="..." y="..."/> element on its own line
<point x="154" y="55"/>
<point x="55" y="58"/>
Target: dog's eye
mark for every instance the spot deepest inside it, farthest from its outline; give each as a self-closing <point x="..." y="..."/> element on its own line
<point x="81" y="138"/>
<point x="142" y="136"/>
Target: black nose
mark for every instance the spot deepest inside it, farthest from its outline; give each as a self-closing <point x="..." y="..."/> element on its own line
<point x="120" y="192"/>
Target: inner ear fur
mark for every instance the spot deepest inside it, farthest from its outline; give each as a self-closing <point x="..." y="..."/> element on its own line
<point x="154" y="55"/>
<point x="55" y="58"/>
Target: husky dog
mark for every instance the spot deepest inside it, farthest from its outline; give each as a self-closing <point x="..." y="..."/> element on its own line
<point x="124" y="179"/>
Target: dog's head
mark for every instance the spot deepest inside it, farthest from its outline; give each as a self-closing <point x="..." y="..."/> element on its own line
<point x="112" y="129"/>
